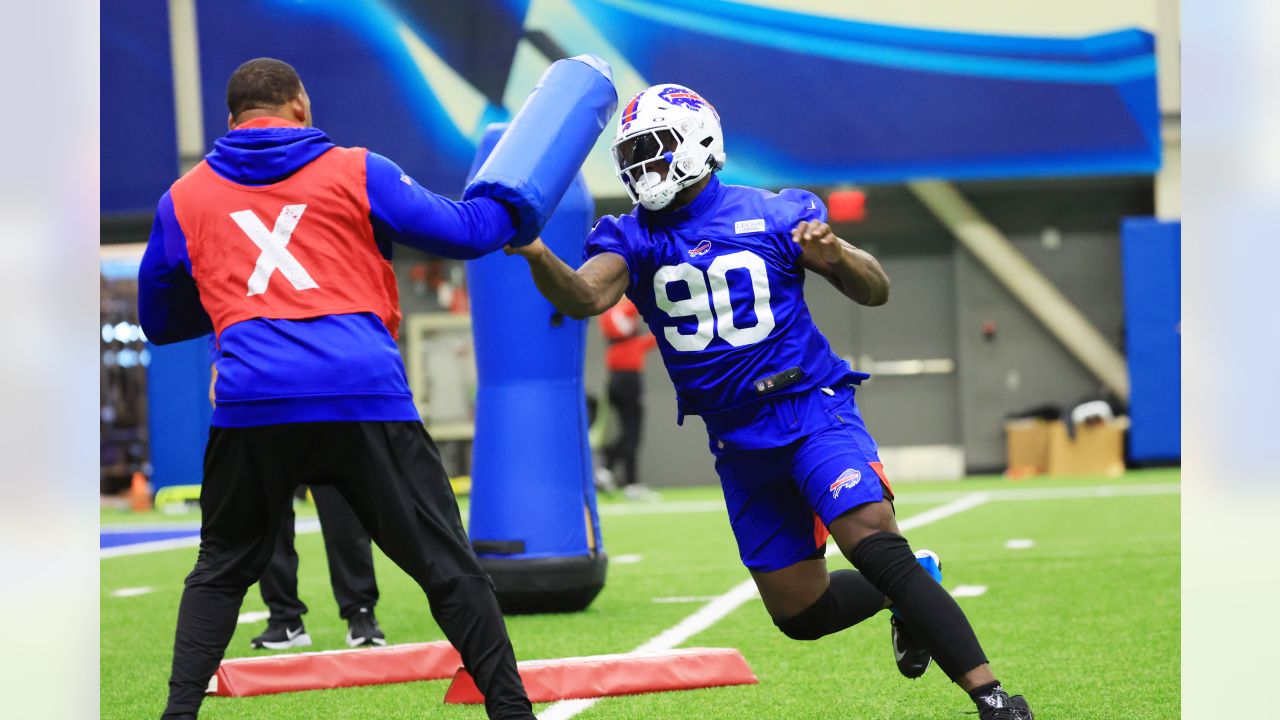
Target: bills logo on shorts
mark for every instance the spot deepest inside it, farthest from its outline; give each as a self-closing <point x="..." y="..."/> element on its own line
<point x="848" y="479"/>
<point x="703" y="248"/>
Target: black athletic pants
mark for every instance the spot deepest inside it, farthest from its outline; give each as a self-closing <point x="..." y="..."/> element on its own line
<point x="625" y="392"/>
<point x="390" y="473"/>
<point x="347" y="548"/>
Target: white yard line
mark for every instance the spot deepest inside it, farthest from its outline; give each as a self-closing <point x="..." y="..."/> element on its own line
<point x="964" y="591"/>
<point x="301" y="527"/>
<point x="717" y="609"/>
<point x="1020" y="544"/>
<point x="130" y="592"/>
<point x="253" y="616"/>
<point x="910" y="497"/>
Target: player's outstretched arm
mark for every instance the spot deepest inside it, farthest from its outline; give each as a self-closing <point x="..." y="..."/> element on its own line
<point x="852" y="271"/>
<point x="589" y="290"/>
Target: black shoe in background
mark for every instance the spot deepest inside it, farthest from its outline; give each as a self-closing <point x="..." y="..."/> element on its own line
<point x="363" y="629"/>
<point x="281" y="636"/>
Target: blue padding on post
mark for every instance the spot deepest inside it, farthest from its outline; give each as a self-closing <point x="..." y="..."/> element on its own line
<point x="1151" y="255"/>
<point x="531" y="472"/>
<point x="178" y="411"/>
<point x="538" y="156"/>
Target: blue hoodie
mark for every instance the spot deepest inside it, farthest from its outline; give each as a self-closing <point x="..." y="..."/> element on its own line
<point x="329" y="368"/>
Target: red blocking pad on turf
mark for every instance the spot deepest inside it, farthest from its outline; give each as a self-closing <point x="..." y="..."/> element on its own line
<point x="625" y="674"/>
<point x="243" y="677"/>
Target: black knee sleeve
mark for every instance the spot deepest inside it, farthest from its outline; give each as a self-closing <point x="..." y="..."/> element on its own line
<point x="924" y="605"/>
<point x="849" y="600"/>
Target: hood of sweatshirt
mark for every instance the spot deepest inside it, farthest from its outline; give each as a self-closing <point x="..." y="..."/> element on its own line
<point x="266" y="150"/>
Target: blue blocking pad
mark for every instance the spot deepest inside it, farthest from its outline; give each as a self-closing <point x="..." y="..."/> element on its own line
<point x="547" y="141"/>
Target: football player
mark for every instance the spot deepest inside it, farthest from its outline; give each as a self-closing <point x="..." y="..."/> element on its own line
<point x="717" y="271"/>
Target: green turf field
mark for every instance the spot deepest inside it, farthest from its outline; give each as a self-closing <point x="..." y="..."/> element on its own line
<point x="1085" y="622"/>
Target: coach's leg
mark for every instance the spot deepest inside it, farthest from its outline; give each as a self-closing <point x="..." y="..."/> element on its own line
<point x="350" y="554"/>
<point x="391" y="474"/>
<point x="868" y="535"/>
<point x="806" y="602"/>
<point x="279" y="581"/>
<point x="247" y="485"/>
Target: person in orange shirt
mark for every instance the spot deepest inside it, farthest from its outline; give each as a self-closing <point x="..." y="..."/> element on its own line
<point x="628" y="343"/>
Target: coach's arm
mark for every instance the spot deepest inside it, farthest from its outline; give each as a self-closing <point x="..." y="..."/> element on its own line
<point x="589" y="290"/>
<point x="852" y="271"/>
<point x="169" y="307"/>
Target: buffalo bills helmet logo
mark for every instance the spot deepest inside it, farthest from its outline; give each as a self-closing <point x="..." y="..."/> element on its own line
<point x="848" y="479"/>
<point x="703" y="248"/>
<point x="683" y="97"/>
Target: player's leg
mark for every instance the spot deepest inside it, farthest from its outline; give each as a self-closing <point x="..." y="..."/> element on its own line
<point x="839" y="471"/>
<point x="869" y="537"/>
<point x="279" y="588"/>
<point x="807" y="602"/>
<point x="248" y="482"/>
<point x="784" y="547"/>
<point x="350" y="555"/>
<point x="391" y="474"/>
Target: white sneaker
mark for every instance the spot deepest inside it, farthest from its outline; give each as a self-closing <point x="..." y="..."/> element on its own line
<point x="640" y="493"/>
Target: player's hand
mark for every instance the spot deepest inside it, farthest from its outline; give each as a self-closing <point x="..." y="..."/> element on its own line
<point x="817" y="241"/>
<point x="529" y="252"/>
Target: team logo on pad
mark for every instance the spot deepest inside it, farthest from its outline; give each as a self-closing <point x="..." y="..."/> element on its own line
<point x="848" y="479"/>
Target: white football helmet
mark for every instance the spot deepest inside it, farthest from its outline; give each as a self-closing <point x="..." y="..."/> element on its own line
<point x="668" y="139"/>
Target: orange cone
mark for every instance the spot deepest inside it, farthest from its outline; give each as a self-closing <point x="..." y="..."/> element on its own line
<point x="140" y="493"/>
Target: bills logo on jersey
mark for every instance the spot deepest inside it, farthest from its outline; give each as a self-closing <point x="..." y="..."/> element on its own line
<point x="703" y="248"/>
<point x="848" y="479"/>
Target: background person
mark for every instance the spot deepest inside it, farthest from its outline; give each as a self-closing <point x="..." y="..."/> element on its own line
<point x="628" y="343"/>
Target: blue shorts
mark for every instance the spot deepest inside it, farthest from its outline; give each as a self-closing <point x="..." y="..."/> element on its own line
<point x="780" y="500"/>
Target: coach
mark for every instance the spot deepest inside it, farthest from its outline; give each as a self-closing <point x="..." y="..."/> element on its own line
<point x="280" y="243"/>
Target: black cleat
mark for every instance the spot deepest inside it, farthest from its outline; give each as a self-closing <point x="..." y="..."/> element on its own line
<point x="364" y="630"/>
<point x="999" y="706"/>
<point x="281" y="636"/>
<point x="912" y="658"/>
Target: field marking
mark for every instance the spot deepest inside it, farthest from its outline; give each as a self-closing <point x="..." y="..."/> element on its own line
<point x="301" y="527"/>
<point x="626" y="559"/>
<point x="1020" y="544"/>
<point x="158" y="526"/>
<point x="131" y="592"/>
<point x="962" y="591"/>
<point x="252" y="616"/>
<point x="739" y="594"/>
<point x="925" y="498"/>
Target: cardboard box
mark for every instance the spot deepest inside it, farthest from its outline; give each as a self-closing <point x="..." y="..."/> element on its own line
<point x="1027" y="443"/>
<point x="1043" y="447"/>
<point x="1097" y="449"/>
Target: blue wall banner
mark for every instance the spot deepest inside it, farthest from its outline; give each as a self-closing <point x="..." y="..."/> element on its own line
<point x="805" y="99"/>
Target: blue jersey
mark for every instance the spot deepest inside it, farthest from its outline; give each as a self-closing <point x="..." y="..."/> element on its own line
<point x="720" y="285"/>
